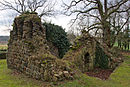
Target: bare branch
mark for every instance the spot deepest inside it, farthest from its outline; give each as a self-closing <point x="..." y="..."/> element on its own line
<point x="116" y="7"/>
<point x="22" y="6"/>
<point x="99" y="10"/>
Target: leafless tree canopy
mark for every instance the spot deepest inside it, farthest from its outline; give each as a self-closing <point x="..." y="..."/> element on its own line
<point x="100" y="12"/>
<point x="45" y="7"/>
<point x="99" y="9"/>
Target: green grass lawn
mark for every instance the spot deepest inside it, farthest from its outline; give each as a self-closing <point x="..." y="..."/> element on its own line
<point x="7" y="79"/>
<point x="120" y="78"/>
<point x="116" y="45"/>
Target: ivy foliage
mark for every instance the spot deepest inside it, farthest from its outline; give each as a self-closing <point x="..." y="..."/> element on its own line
<point x="101" y="59"/>
<point x="57" y="35"/>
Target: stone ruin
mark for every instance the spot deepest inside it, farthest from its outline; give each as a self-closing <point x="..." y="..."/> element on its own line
<point x="30" y="53"/>
<point x="83" y="54"/>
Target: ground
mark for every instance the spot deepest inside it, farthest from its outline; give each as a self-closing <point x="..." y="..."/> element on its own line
<point x="119" y="78"/>
<point x="100" y="73"/>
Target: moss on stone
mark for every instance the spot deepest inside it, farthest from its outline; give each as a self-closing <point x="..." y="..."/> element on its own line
<point x="76" y="46"/>
<point x="29" y="16"/>
<point x="82" y="45"/>
<point x="48" y="56"/>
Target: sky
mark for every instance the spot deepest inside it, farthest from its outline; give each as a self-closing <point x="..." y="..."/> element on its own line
<point x="7" y="17"/>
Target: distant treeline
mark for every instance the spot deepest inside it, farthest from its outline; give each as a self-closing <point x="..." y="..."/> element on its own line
<point x="4" y="39"/>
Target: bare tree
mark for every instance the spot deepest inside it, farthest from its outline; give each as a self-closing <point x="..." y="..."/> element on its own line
<point x="43" y="7"/>
<point x="118" y="25"/>
<point x="101" y="10"/>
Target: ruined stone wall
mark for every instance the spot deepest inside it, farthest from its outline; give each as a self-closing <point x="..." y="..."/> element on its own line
<point x="29" y="53"/>
<point x="82" y="53"/>
<point x="87" y="53"/>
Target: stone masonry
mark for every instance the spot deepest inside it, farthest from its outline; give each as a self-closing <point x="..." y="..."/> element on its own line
<point x="29" y="52"/>
<point x="82" y="53"/>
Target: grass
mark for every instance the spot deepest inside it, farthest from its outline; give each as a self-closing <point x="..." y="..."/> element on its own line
<point x="9" y="80"/>
<point x="120" y="78"/>
<point x="116" y="45"/>
<point x="3" y="47"/>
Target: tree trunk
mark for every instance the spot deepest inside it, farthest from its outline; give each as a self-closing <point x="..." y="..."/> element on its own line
<point x="106" y="34"/>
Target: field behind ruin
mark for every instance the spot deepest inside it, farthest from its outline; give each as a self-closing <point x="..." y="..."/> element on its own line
<point x="3" y="46"/>
<point x="120" y="78"/>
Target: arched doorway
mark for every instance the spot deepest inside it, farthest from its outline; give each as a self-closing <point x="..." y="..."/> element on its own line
<point x="86" y="61"/>
<point x="86" y="58"/>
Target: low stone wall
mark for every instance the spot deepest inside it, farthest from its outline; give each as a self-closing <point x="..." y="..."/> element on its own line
<point x="46" y="68"/>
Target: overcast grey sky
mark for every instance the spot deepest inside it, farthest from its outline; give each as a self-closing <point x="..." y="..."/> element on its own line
<point x="7" y="17"/>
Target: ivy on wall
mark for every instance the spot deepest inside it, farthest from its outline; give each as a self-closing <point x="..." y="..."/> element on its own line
<point x="57" y="35"/>
<point x="101" y="59"/>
